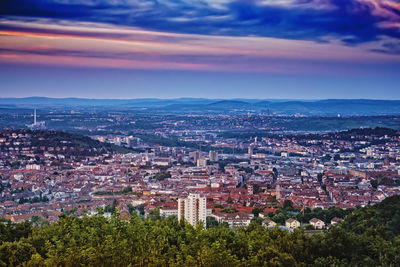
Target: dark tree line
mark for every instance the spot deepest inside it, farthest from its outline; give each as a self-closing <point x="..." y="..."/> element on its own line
<point x="367" y="237"/>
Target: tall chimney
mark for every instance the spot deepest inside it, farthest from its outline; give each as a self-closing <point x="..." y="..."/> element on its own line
<point x="34" y="117"/>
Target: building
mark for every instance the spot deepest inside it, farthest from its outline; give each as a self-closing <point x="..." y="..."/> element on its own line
<point x="32" y="167"/>
<point x="132" y="141"/>
<point x="317" y="223"/>
<point x="162" y="161"/>
<point x="250" y="150"/>
<point x="239" y="219"/>
<point x="269" y="223"/>
<point x="193" y="209"/>
<point x="195" y="155"/>
<point x="250" y="189"/>
<point x="278" y="192"/>
<point x="292" y="223"/>
<point x="37" y="125"/>
<point x="213" y="155"/>
<point x="166" y="212"/>
<point x="336" y="220"/>
<point x="201" y="162"/>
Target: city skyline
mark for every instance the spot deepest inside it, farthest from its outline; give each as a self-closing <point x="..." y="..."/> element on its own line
<point x="288" y="49"/>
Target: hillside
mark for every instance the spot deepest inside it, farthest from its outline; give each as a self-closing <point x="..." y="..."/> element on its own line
<point x="383" y="217"/>
<point x="56" y="142"/>
<point x="97" y="241"/>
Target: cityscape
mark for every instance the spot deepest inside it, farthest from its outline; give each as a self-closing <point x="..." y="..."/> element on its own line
<point x="245" y="173"/>
<point x="199" y="133"/>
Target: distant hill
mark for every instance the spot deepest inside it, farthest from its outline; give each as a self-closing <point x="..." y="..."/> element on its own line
<point x="339" y="106"/>
<point x="329" y="107"/>
<point x="229" y="105"/>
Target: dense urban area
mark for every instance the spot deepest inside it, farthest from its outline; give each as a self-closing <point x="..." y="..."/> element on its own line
<point x="212" y="171"/>
<point x="244" y="171"/>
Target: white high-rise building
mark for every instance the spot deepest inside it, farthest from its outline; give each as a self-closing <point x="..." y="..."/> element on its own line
<point x="193" y="209"/>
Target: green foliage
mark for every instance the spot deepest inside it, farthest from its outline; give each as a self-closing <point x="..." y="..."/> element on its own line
<point x="70" y="212"/>
<point x="257" y="211"/>
<point x="38" y="220"/>
<point x="162" y="176"/>
<point x="384" y="216"/>
<point x="229" y="210"/>
<point x="35" y="199"/>
<point x="98" y="241"/>
<point x="257" y="189"/>
<point x="154" y="214"/>
<point x="16" y="164"/>
<point x="319" y="177"/>
<point x="126" y="190"/>
<point x="10" y="232"/>
<point x="111" y="209"/>
<point x="257" y="220"/>
<point x="288" y="204"/>
<point x="324" y="215"/>
<point x="211" y="222"/>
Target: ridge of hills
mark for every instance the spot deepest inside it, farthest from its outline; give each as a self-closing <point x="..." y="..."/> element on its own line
<point x="327" y="107"/>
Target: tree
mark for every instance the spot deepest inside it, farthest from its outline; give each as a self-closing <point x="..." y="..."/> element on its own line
<point x="127" y="190"/>
<point x="368" y="236"/>
<point x="256" y="211"/>
<point x="162" y="176"/>
<point x="288" y="204"/>
<point x="319" y="177"/>
<point x="275" y="173"/>
<point x="257" y="189"/>
<point x="374" y="183"/>
<point x="16" y="164"/>
<point x="38" y="220"/>
<point x="257" y="220"/>
<point x="336" y="157"/>
<point x="211" y="222"/>
<point x="154" y="214"/>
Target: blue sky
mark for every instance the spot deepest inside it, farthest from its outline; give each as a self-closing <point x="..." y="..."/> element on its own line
<point x="305" y="49"/>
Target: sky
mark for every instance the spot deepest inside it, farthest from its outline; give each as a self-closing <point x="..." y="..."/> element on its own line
<point x="289" y="49"/>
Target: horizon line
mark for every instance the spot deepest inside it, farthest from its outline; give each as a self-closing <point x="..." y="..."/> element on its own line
<point x="205" y="98"/>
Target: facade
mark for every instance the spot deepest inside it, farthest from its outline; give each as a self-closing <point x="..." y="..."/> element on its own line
<point x="213" y="155"/>
<point x="239" y="219"/>
<point x="250" y="150"/>
<point x="162" y="161"/>
<point x="336" y="221"/>
<point x="201" y="162"/>
<point x="292" y="223"/>
<point x="250" y="189"/>
<point x="193" y="209"/>
<point x="269" y="223"/>
<point x="317" y="223"/>
<point x="195" y="155"/>
<point x="165" y="212"/>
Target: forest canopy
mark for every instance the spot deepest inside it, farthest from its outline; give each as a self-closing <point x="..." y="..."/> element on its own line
<point x="367" y="237"/>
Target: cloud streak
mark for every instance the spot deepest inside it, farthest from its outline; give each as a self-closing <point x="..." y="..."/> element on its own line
<point x="70" y="43"/>
<point x="351" y="21"/>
